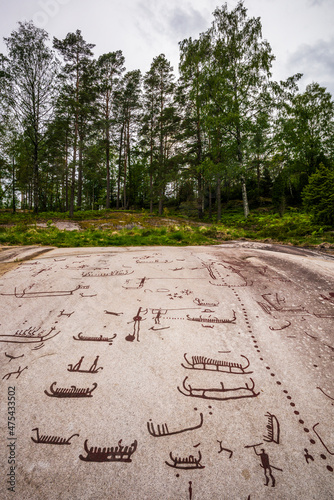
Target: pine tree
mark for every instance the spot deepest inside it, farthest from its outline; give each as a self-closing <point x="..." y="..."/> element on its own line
<point x="159" y="119"/>
<point x="110" y="67"/>
<point x="77" y="54"/>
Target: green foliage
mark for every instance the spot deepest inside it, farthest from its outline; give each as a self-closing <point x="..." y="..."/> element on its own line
<point x="32" y="69"/>
<point x="133" y="229"/>
<point x="25" y="235"/>
<point x="106" y="138"/>
<point x="279" y="193"/>
<point x="318" y="196"/>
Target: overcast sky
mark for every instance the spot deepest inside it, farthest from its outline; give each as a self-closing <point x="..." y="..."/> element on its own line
<point x="300" y="32"/>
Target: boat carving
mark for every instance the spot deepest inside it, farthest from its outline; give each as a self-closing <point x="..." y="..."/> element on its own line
<point x="156" y="261"/>
<point x="38" y="294"/>
<point x="216" y="365"/>
<point x="188" y="463"/>
<point x="72" y="392"/>
<point x="91" y="274"/>
<point x="200" y="302"/>
<point x="95" y="339"/>
<point x="162" y="430"/>
<point x="118" y="454"/>
<point x="273" y="429"/>
<point x="51" y="439"/>
<point x="273" y="329"/>
<point x="29" y="336"/>
<point x="210" y="319"/>
<point x="221" y="393"/>
<point x="278" y="304"/>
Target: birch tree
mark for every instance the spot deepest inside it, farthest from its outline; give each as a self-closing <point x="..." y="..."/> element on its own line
<point x="32" y="70"/>
<point x="238" y="70"/>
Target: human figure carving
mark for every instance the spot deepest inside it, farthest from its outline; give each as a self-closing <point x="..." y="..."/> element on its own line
<point x="265" y="464"/>
<point x="94" y="365"/>
<point x="308" y="456"/>
<point x="78" y="365"/>
<point x="136" y="327"/>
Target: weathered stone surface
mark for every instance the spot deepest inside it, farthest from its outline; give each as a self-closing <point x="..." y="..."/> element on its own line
<point x="197" y="373"/>
<point x="17" y="254"/>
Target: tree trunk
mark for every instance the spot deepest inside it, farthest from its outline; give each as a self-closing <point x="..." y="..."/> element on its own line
<point x="107" y="151"/>
<point x="160" y="201"/>
<point x="258" y="175"/>
<point x="219" y="201"/>
<point x="125" y="167"/>
<point x="72" y="186"/>
<point x="80" y="173"/>
<point x="200" y="199"/>
<point x="244" y="197"/>
<point x="76" y="134"/>
<point x="66" y="174"/>
<point x="30" y="190"/>
<point x="108" y="168"/>
<point x="128" y="201"/>
<point x="13" y="187"/>
<point x="36" y="177"/>
<point x="151" y="176"/>
<point x="119" y="169"/>
<point x="243" y="180"/>
<point x="200" y="202"/>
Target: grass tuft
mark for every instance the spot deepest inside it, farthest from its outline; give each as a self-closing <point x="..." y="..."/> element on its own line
<point x="119" y="228"/>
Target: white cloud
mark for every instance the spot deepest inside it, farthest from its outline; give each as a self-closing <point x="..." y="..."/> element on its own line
<point x="143" y="29"/>
<point x="182" y="21"/>
<point x="316" y="62"/>
<point x="173" y="20"/>
<point x="315" y="3"/>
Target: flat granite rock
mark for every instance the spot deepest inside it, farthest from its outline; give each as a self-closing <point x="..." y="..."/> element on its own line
<point x="193" y="373"/>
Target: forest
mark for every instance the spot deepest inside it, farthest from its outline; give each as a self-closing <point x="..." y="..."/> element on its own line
<point x="82" y="133"/>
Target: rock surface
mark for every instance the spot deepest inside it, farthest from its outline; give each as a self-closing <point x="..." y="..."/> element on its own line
<point x="196" y="373"/>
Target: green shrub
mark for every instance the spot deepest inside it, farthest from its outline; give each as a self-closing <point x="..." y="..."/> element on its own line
<point x="318" y="196"/>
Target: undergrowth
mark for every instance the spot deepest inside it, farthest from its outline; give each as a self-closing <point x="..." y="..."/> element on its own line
<point x="119" y="228"/>
<point x="25" y="235"/>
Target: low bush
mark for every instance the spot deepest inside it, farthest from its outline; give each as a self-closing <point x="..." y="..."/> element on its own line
<point x="295" y="226"/>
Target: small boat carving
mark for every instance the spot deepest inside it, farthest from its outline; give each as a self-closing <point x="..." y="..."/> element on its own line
<point x="209" y="364"/>
<point x="72" y="392"/>
<point x="220" y="393"/>
<point x="29" y="336"/>
<point x="95" y="339"/>
<point x="200" y="302"/>
<point x="273" y="429"/>
<point x="188" y="463"/>
<point x="209" y="319"/>
<point x="118" y="454"/>
<point x="38" y="294"/>
<point x="162" y="430"/>
<point x="51" y="439"/>
<point x="156" y="261"/>
<point x="92" y="274"/>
